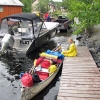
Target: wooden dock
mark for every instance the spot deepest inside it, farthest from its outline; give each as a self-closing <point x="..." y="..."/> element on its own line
<point x="80" y="78"/>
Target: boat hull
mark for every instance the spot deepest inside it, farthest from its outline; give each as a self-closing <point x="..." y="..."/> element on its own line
<point x="31" y="92"/>
<point x="38" y="43"/>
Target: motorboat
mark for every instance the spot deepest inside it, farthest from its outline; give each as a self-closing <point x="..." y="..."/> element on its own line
<point x="24" y="32"/>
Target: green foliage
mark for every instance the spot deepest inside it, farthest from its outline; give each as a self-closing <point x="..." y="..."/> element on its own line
<point x="27" y="5"/>
<point x="59" y="4"/>
<point x="57" y="13"/>
<point x="42" y="6"/>
<point x="87" y="11"/>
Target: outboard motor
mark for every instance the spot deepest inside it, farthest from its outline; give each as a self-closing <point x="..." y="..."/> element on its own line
<point x="6" y="42"/>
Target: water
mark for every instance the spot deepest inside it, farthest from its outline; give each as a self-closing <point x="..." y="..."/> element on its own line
<point x="10" y="69"/>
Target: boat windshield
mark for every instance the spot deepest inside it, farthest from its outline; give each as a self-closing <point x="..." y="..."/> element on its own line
<point x="37" y="26"/>
<point x="4" y="27"/>
<point x="26" y="29"/>
<point x="22" y="28"/>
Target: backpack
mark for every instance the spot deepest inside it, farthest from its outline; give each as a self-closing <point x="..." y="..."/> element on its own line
<point x="36" y="78"/>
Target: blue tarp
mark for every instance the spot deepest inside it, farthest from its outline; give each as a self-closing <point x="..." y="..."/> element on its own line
<point x="60" y="56"/>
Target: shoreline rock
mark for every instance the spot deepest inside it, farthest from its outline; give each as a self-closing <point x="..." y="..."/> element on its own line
<point x="93" y="43"/>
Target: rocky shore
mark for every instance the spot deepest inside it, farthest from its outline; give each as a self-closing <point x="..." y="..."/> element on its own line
<point x="93" y="43"/>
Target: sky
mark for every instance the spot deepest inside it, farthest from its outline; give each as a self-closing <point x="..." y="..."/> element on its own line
<point x="57" y="0"/>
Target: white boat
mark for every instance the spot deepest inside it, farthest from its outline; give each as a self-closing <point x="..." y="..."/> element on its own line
<point x="30" y="92"/>
<point x="25" y="32"/>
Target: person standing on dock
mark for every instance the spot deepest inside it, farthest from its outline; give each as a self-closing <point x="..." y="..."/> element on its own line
<point x="72" y="50"/>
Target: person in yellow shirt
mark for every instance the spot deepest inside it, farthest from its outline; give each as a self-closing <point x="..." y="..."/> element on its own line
<point x="72" y="50"/>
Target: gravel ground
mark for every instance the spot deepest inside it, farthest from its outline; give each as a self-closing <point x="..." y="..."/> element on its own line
<point x="93" y="43"/>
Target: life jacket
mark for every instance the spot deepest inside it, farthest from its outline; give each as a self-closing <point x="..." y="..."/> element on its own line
<point x="27" y="80"/>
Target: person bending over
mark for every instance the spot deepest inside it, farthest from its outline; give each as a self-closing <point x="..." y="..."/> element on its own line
<point x="72" y="50"/>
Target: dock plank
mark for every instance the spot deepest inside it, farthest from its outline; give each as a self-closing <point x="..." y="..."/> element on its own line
<point x="80" y="91"/>
<point x="80" y="80"/>
<point x="75" y="98"/>
<point x="79" y="88"/>
<point x="80" y="85"/>
<point x="81" y="68"/>
<point x="82" y="71"/>
<point x="79" y="95"/>
<point x="81" y="75"/>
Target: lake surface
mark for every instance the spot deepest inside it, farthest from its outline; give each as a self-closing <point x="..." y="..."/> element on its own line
<point x="10" y="69"/>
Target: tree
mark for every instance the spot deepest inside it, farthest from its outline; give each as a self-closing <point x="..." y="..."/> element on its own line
<point x="42" y="6"/>
<point x="59" y="5"/>
<point x="87" y="11"/>
<point x="57" y="13"/>
<point x="27" y="5"/>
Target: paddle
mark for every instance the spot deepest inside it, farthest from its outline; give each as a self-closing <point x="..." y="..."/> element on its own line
<point x="56" y="48"/>
<point x="32" y="70"/>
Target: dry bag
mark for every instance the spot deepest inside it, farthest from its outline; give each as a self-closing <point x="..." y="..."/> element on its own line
<point x="27" y="80"/>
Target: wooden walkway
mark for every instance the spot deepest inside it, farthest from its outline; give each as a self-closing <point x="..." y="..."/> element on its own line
<point x="80" y="78"/>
